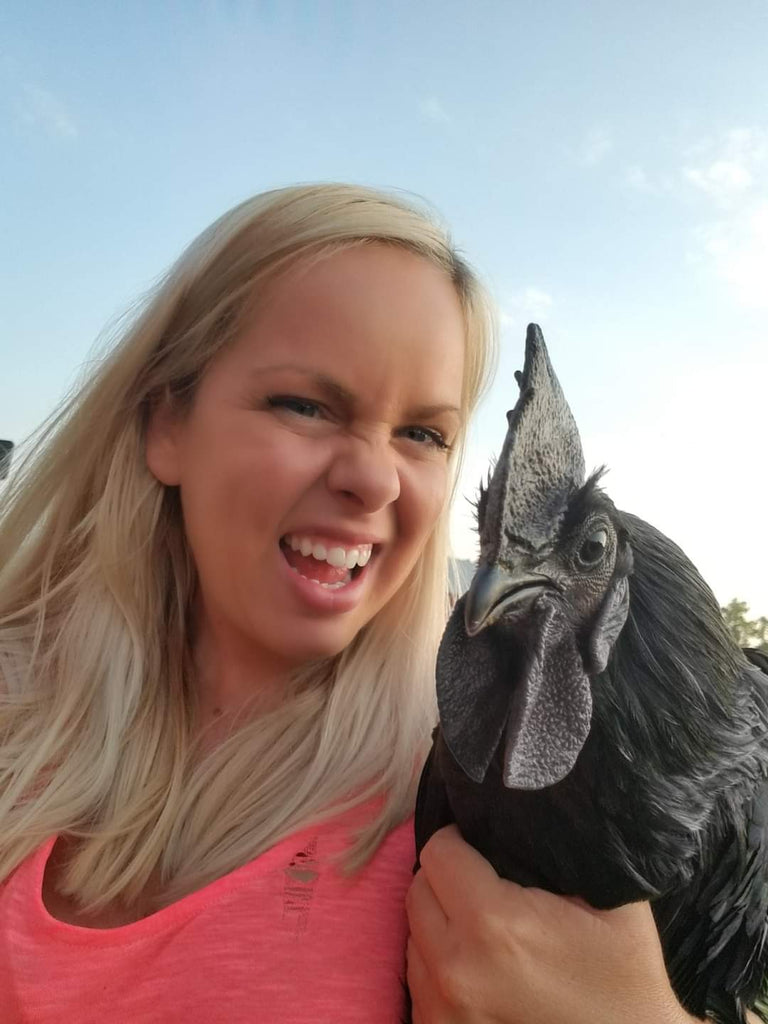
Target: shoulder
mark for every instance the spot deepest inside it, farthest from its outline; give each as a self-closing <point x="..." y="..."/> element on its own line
<point x="389" y="871"/>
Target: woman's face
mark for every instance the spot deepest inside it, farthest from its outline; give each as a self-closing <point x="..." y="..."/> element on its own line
<point x="313" y="462"/>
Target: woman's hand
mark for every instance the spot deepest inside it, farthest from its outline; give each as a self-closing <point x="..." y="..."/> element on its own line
<point x="486" y="950"/>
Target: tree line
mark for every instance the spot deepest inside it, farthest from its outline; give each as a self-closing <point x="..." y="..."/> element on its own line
<point x="747" y="632"/>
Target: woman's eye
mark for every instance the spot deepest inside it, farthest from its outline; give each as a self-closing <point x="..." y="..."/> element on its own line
<point x="301" y="406"/>
<point x="593" y="548"/>
<point x="425" y="435"/>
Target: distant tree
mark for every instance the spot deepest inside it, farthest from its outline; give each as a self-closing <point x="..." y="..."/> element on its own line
<point x="747" y="632"/>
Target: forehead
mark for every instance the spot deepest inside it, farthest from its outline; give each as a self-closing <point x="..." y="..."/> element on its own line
<point x="371" y="314"/>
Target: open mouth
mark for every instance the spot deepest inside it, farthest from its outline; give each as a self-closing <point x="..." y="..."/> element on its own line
<point x="521" y="598"/>
<point x="329" y="565"/>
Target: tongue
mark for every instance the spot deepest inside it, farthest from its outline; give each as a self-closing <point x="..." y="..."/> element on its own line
<point x="314" y="569"/>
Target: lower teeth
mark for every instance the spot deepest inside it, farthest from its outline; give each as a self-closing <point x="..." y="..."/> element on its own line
<point x="325" y="586"/>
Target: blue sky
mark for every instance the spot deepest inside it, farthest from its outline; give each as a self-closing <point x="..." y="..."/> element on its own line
<point x="603" y="165"/>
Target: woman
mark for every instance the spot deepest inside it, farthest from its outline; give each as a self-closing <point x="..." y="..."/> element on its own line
<point x="222" y="586"/>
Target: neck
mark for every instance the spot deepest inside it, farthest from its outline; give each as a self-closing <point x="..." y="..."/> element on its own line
<point x="231" y="676"/>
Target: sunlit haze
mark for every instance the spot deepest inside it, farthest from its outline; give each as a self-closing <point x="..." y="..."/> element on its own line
<point x="603" y="165"/>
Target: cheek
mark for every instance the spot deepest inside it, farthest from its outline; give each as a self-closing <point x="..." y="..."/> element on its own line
<point x="422" y="499"/>
<point x="239" y="499"/>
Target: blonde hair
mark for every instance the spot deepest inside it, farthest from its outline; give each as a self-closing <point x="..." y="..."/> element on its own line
<point x="96" y="586"/>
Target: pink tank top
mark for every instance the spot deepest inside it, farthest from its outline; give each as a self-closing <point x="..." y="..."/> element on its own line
<point x="285" y="938"/>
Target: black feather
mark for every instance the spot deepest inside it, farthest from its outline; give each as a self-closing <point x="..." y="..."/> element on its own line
<point x="481" y="502"/>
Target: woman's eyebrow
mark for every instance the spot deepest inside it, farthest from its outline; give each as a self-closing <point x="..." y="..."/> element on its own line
<point x="321" y="380"/>
<point x="427" y="412"/>
<point x="338" y="391"/>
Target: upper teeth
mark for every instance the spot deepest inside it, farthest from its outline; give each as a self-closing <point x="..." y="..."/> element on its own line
<point x="336" y="556"/>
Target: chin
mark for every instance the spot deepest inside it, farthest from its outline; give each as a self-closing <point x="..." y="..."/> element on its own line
<point x="320" y="651"/>
<point x="313" y="649"/>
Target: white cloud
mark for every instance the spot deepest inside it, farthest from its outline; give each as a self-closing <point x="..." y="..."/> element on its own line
<point x="732" y="166"/>
<point x="638" y="178"/>
<point x="41" y="108"/>
<point x="529" y="303"/>
<point x="433" y="110"/>
<point x="595" y="146"/>
<point x="721" y="178"/>
<point x="732" y="175"/>
<point x="737" y="250"/>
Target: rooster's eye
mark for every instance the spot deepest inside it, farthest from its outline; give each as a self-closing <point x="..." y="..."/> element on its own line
<point x="593" y="549"/>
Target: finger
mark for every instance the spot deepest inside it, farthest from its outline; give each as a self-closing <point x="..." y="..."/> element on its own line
<point x="462" y="879"/>
<point x="428" y="923"/>
<point x="416" y="969"/>
<point x="418" y="982"/>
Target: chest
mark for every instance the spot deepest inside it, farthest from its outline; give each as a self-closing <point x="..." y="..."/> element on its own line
<point x="68" y="910"/>
<point x="283" y="935"/>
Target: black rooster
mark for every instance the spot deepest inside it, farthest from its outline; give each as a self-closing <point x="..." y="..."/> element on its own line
<point x="600" y="732"/>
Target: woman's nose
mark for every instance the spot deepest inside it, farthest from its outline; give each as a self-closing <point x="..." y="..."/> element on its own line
<point x="366" y="472"/>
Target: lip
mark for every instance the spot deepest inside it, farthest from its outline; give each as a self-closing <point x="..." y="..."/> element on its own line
<point x="328" y="602"/>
